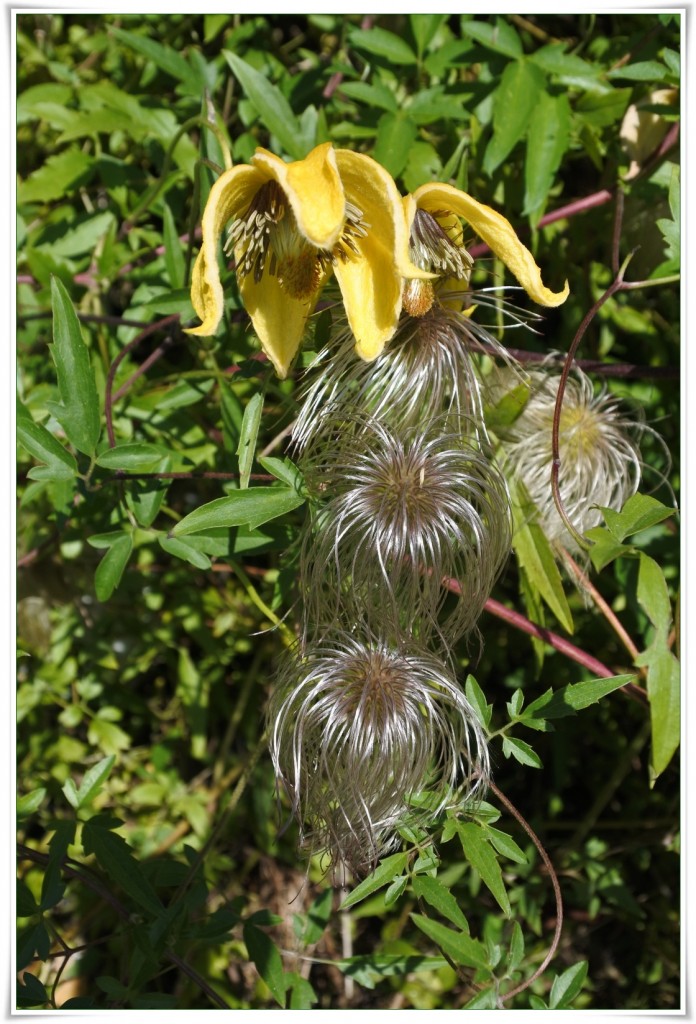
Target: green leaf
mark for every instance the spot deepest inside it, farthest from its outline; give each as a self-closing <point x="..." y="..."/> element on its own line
<point x="372" y="967"/>
<point x="516" y="954"/>
<point x="665" y="702"/>
<point x="302" y="995"/>
<point x="395" y="890"/>
<point x="270" y="104"/>
<point x="477" y="699"/>
<point x="521" y="751"/>
<point x="94" y="779"/>
<point x="486" y="999"/>
<point x="515" y="102"/>
<point x="424" y="28"/>
<point x="79" y="412"/>
<point x="385" y="873"/>
<point x="70" y="793"/>
<point x="641" y="71"/>
<point x="395" y="136"/>
<point x="460" y="947"/>
<point x="547" y="141"/>
<point x="282" y="469"/>
<point x="640" y="512"/>
<point x="26" y="904"/>
<point x="652" y="593"/>
<point x="568" y="68"/>
<point x="59" y="175"/>
<point x="185" y="550"/>
<point x="441" y="899"/>
<point x="382" y="43"/>
<point x="30" y="991"/>
<point x="107" y="736"/>
<point x="478" y="852"/>
<point x="374" y="94"/>
<point x="58" y="463"/>
<point x="170" y="61"/>
<point x="131" y="457"/>
<point x="173" y="252"/>
<point x="83" y="238"/>
<point x="115" y="858"/>
<point x="605" y="548"/>
<point x="506" y="845"/>
<point x="567" y="985"/>
<point x="30" y="802"/>
<point x="317" y="918"/>
<point x="247" y="437"/>
<point x="572" y="698"/>
<point x="501" y="37"/>
<point x="536" y="557"/>
<point x="110" y="570"/>
<point x="504" y="413"/>
<point x="252" y="507"/>
<point x="266" y="959"/>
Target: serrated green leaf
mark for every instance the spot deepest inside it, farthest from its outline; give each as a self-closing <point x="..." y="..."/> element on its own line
<point x="441" y="899"/>
<point x="78" y="412"/>
<point x="30" y="802"/>
<point x="486" y="999"/>
<point x="270" y="104"/>
<point x="383" y="874"/>
<point x="185" y="550"/>
<point x="94" y="779"/>
<point x="478" y="852"/>
<point x="640" y="512"/>
<point x="501" y="37"/>
<point x="382" y="43"/>
<point x="567" y="985"/>
<point x="266" y="958"/>
<point x="302" y="995"/>
<point x="521" y="751"/>
<point x="252" y="507"/>
<point x="395" y="890"/>
<point x="60" y="175"/>
<point x="548" y="138"/>
<point x="248" y="434"/>
<point x="282" y="469"/>
<point x="460" y="947"/>
<point x="568" y="68"/>
<point x="395" y="136"/>
<point x="317" y="918"/>
<point x="514" y="706"/>
<point x="572" y="698"/>
<point x="536" y="557"/>
<point x="110" y="570"/>
<point x="605" y="548"/>
<point x="116" y="859"/>
<point x="514" y="104"/>
<point x="81" y="239"/>
<point x="173" y="252"/>
<point x="506" y="845"/>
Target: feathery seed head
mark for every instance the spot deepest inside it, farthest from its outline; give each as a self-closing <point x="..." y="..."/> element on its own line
<point x="395" y="513"/>
<point x="360" y="733"/>
<point x="600" y="462"/>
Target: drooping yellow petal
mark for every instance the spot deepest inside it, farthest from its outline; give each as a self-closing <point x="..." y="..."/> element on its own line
<point x="497" y="232"/>
<point x="371" y="281"/>
<point x="314" y="190"/>
<point x="279" y="320"/>
<point x="230" y="195"/>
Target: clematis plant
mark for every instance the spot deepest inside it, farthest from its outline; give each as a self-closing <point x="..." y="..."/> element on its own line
<point x="433" y="215"/>
<point x="292" y="226"/>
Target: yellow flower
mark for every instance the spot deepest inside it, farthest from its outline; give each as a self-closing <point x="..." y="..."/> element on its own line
<point x="433" y="215"/>
<point x="292" y="226"/>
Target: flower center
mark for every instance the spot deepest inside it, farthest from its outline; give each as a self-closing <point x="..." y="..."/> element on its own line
<point x="266" y="236"/>
<point x="432" y="248"/>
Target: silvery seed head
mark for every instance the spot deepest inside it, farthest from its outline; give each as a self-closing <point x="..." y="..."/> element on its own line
<point x="367" y="738"/>
<point x="429" y="369"/>
<point x="396" y="512"/>
<point x="600" y="462"/>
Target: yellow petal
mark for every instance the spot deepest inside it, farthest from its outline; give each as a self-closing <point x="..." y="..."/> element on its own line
<point x="371" y="282"/>
<point x="496" y="232"/>
<point x="279" y="320"/>
<point x="314" y="190"/>
<point x="230" y="195"/>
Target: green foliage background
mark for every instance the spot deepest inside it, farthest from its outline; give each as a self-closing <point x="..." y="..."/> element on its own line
<point x="154" y="871"/>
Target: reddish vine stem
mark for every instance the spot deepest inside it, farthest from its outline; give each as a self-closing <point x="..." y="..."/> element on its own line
<point x="556" y="892"/>
<point x="126" y="350"/>
<point x="559" y="643"/>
